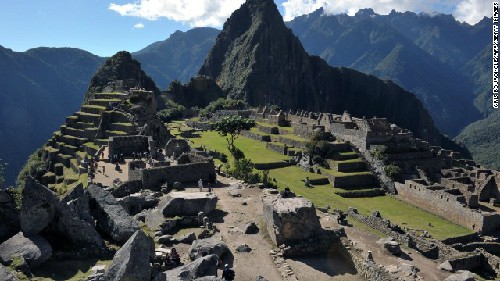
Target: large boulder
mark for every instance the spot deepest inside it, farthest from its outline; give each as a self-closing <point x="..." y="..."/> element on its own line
<point x="208" y="246"/>
<point x="74" y="221"/>
<point x="202" y="267"/>
<point x="391" y="245"/>
<point x="188" y="203"/>
<point x="38" y="207"/>
<point x="135" y="203"/>
<point x="461" y="275"/>
<point x="32" y="249"/>
<point x="6" y="275"/>
<point x="9" y="216"/>
<point x="132" y="261"/>
<point x="111" y="218"/>
<point x="78" y="202"/>
<point x="290" y="219"/>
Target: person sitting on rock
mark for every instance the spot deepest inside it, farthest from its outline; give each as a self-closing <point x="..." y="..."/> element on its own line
<point x="174" y="256"/>
<point x="228" y="273"/>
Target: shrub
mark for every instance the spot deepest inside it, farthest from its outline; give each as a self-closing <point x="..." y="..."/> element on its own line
<point x="392" y="171"/>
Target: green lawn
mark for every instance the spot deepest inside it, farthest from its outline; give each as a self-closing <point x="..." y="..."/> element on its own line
<point x="394" y="210"/>
<point x="253" y="149"/>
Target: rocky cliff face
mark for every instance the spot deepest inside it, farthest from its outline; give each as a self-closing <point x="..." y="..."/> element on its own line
<point x="120" y="73"/>
<point x="257" y="58"/>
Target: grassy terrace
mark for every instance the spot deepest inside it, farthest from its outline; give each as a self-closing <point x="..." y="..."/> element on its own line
<point x="254" y="150"/>
<point x="321" y="195"/>
<point x="390" y="208"/>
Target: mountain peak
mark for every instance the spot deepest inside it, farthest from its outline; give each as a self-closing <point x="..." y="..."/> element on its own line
<point x="258" y="59"/>
<point x="119" y="73"/>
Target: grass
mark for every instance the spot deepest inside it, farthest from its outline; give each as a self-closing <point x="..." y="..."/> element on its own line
<point x="124" y="124"/>
<point x="71" y="270"/>
<point x="253" y="149"/>
<point x="396" y="211"/>
<point x="342" y="174"/>
<point x="91" y="145"/>
<point x="100" y="107"/>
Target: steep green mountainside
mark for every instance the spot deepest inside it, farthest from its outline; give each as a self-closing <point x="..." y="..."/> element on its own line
<point x="377" y="45"/>
<point x="39" y="88"/>
<point x="257" y="58"/>
<point x="482" y="138"/>
<point x="177" y="58"/>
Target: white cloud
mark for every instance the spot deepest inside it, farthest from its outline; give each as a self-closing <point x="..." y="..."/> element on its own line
<point x="192" y="12"/>
<point x="470" y="11"/>
<point x="139" y="25"/>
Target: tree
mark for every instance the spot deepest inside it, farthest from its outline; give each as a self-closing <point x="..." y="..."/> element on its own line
<point x="232" y="126"/>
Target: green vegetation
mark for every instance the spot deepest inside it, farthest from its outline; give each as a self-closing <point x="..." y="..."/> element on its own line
<point x="223" y="103"/>
<point x="232" y="126"/>
<point x="482" y="138"/>
<point x="71" y="270"/>
<point x="35" y="167"/>
<point x="394" y="210"/>
<point x="392" y="171"/>
<point x="172" y="111"/>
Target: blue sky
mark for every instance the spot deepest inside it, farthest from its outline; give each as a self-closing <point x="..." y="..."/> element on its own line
<point x="104" y="27"/>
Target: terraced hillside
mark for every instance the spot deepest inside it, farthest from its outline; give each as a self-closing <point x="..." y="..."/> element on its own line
<point x="103" y="116"/>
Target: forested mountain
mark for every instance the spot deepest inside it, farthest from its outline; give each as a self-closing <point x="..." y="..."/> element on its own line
<point x="178" y="57"/>
<point x="39" y="88"/>
<point x="423" y="54"/>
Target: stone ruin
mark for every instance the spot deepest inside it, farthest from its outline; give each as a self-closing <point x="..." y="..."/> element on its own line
<point x="293" y="226"/>
<point x="466" y="197"/>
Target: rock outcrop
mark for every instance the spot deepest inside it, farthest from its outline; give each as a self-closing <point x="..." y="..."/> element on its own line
<point x="290" y="219"/>
<point x="257" y="58"/>
<point x="6" y="275"/>
<point x="202" y="267"/>
<point x="112" y="219"/>
<point x="9" y="216"/>
<point x="208" y="246"/>
<point x="188" y="203"/>
<point x="31" y="249"/>
<point x="38" y="208"/>
<point x="132" y="261"/>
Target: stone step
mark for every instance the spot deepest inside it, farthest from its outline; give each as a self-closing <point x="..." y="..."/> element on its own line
<point x="68" y="149"/>
<point x="94" y="109"/>
<point x="348" y="166"/>
<point x="115" y="116"/>
<point x="63" y="159"/>
<point x="110" y="133"/>
<point x="71" y="140"/>
<point x="352" y="181"/>
<point x="346" y="155"/>
<point x="70" y="120"/>
<point x="361" y="193"/>
<point x="82" y="125"/>
<point x="101" y="96"/>
<point x="88" y="117"/>
<point x="100" y="142"/>
<point x="88" y="133"/>
<point x="128" y="128"/>
<point x="102" y="102"/>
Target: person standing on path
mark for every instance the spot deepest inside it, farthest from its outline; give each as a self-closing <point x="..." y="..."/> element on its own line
<point x="200" y="185"/>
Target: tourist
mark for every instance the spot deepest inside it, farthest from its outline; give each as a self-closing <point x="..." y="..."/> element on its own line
<point x="200" y="185"/>
<point x="307" y="182"/>
<point x="103" y="170"/>
<point x="209" y="187"/>
<point x="174" y="256"/>
<point x="228" y="273"/>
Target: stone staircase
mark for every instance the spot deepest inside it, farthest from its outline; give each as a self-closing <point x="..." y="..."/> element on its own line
<point x="350" y="176"/>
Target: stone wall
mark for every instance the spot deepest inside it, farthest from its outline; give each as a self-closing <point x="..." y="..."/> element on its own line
<point x="129" y="144"/>
<point x="288" y="141"/>
<point x="270" y="166"/>
<point x="448" y="206"/>
<point x="347" y="182"/>
<point x="256" y="136"/>
<point x="277" y="147"/>
<point x="268" y="130"/>
<point x="153" y="178"/>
